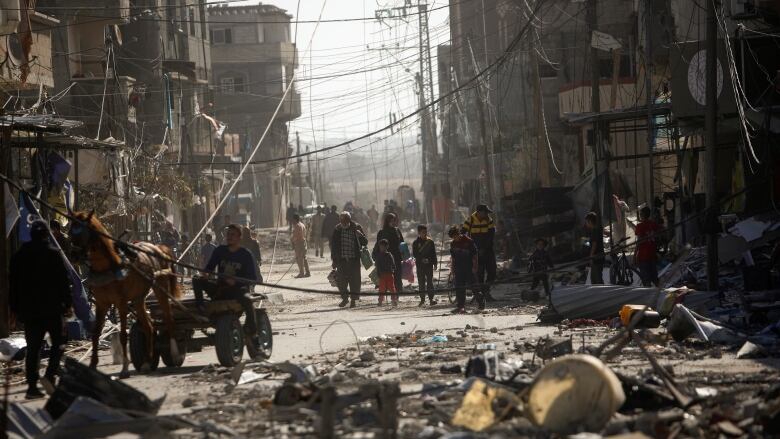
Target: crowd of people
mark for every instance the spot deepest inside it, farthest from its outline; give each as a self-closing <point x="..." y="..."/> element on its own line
<point x="231" y="264"/>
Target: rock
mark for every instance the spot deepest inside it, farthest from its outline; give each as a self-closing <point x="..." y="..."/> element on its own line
<point x="468" y="327"/>
<point x="494" y="330"/>
<point x="188" y="402"/>
<point x="367" y="355"/>
<point x="403" y="323"/>
<point x="454" y="369"/>
<point x="409" y="375"/>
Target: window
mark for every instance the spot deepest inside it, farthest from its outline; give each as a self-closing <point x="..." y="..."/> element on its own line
<point x="191" y="13"/>
<point x="221" y="36"/>
<point x="284" y="78"/>
<point x="605" y="67"/>
<point x="228" y="87"/>
<point x="260" y="33"/>
<point x="238" y="84"/>
<point x="232" y="84"/>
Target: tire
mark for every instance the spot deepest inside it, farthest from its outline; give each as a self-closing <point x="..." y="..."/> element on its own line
<point x="229" y="340"/>
<point x="163" y="346"/>
<point x="265" y="334"/>
<point x="137" y="348"/>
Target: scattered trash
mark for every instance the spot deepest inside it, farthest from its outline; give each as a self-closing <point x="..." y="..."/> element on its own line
<point x="249" y="376"/>
<point x="79" y="380"/>
<point x="751" y="350"/>
<point x="552" y="347"/>
<point x="683" y="323"/>
<point x="434" y="339"/>
<point x="574" y="392"/>
<point x="483" y="405"/>
<point x="599" y="302"/>
<point x="454" y="369"/>
<point x="12" y="349"/>
<point x="650" y="318"/>
<point x="706" y="392"/>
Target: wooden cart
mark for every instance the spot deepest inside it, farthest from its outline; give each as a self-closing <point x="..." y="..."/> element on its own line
<point x="222" y="316"/>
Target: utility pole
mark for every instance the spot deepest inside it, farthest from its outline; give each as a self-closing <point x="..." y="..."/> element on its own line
<point x="486" y="139"/>
<point x="711" y="133"/>
<point x="595" y="103"/>
<point x="300" y="170"/>
<point x="650" y="98"/>
<point x="429" y="136"/>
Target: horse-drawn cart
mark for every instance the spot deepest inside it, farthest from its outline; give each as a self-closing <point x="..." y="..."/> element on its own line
<point x="220" y="324"/>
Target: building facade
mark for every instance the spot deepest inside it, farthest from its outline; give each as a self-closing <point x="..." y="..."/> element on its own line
<point x="253" y="62"/>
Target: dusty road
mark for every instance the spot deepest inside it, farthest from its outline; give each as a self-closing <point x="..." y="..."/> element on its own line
<point x="301" y="319"/>
<point x="312" y="329"/>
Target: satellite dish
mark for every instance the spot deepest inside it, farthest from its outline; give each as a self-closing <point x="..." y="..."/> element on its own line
<point x="15" y="50"/>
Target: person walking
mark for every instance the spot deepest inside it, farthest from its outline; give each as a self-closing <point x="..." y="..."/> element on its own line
<point x="538" y="264"/>
<point x="250" y="243"/>
<point x="482" y="230"/>
<point x="345" y="244"/>
<point x="169" y="237"/>
<point x="596" y="232"/>
<point x="645" y="256"/>
<point x="289" y="216"/>
<point x="465" y="261"/>
<point x="206" y="250"/>
<point x="236" y="269"/>
<point x="392" y="234"/>
<point x="424" y="252"/>
<point x="386" y="270"/>
<point x="329" y="224"/>
<point x="315" y="232"/>
<point x="40" y="302"/>
<point x="299" y="245"/>
<point x="373" y="219"/>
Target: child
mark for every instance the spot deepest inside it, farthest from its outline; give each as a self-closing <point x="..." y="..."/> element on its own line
<point x="538" y="264"/>
<point x="645" y="257"/>
<point x="385" y="268"/>
<point x="464" y="267"/>
<point x="424" y="251"/>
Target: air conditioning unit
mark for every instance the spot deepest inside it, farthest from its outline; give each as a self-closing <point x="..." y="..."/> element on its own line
<point x="10" y="16"/>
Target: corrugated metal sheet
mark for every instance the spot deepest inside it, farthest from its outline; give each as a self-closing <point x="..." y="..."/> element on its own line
<point x="600" y="302"/>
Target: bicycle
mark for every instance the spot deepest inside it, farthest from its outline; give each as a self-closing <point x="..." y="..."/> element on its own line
<point x="621" y="272"/>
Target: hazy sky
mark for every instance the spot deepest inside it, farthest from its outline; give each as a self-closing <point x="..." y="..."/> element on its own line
<point x="348" y="106"/>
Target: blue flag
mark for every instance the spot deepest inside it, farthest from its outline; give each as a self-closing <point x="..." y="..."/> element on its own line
<point x="28" y="213"/>
<point x="81" y="305"/>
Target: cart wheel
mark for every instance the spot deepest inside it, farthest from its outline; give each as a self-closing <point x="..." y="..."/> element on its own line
<point x="163" y="346"/>
<point x="137" y="349"/>
<point x="229" y="341"/>
<point x="265" y="334"/>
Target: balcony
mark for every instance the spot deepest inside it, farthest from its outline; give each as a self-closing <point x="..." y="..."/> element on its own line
<point x="282" y="53"/>
<point x="574" y="98"/>
<point x="241" y="105"/>
<point x="37" y="60"/>
<point x="113" y="11"/>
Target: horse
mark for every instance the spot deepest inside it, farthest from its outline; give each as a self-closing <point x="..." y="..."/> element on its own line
<point x="119" y="282"/>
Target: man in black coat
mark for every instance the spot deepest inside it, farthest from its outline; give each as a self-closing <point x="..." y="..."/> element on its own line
<point x="40" y="299"/>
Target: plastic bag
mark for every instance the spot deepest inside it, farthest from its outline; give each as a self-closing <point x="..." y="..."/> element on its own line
<point x="407" y="270"/>
<point x="333" y="278"/>
<point x="374" y="276"/>
<point x="365" y="258"/>
<point x="404" y="248"/>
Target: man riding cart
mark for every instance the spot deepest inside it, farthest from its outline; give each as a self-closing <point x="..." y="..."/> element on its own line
<point x="236" y="272"/>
